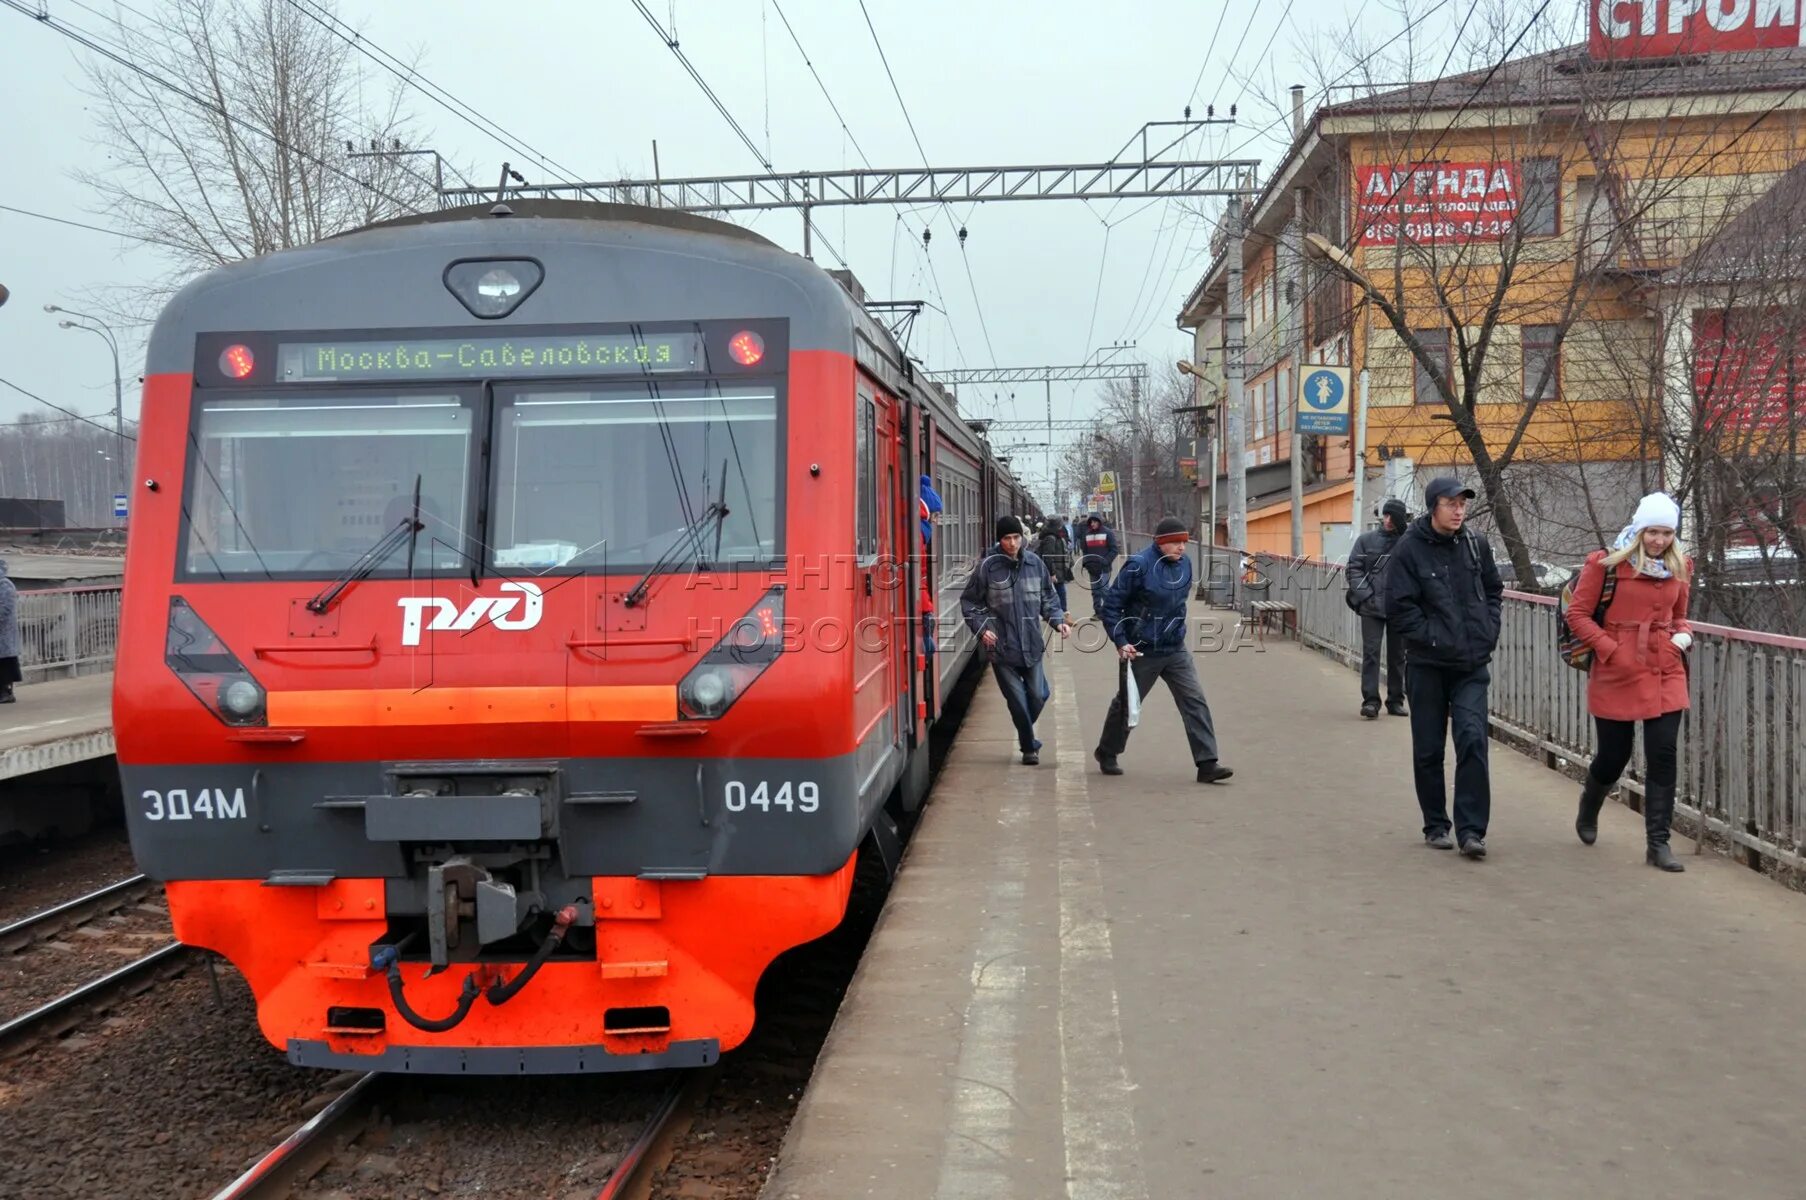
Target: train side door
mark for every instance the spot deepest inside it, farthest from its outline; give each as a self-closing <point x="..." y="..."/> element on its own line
<point x="875" y="590"/>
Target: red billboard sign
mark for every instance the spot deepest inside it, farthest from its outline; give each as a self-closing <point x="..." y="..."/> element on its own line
<point x="1749" y="369"/>
<point x="1428" y="204"/>
<point x="1664" y="28"/>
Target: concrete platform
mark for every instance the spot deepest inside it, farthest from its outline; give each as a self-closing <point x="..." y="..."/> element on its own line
<point x="1140" y="988"/>
<point x="56" y="724"/>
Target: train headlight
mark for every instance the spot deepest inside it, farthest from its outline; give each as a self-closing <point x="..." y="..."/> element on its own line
<point x="492" y="288"/>
<point x="210" y="671"/>
<point x="751" y="645"/>
<point x="242" y="698"/>
<point x="707" y="693"/>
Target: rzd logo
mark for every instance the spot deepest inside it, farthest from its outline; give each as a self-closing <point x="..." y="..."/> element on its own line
<point x="499" y="610"/>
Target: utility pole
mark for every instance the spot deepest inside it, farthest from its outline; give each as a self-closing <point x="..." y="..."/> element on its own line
<point x="1235" y="373"/>
<point x="1297" y="439"/>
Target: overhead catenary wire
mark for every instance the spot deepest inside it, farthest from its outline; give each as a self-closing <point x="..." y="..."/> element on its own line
<point x="670" y="41"/>
<point x="88" y="41"/>
<point x="70" y="413"/>
<point x="118" y="233"/>
<point x="438" y="94"/>
<point x="971" y="282"/>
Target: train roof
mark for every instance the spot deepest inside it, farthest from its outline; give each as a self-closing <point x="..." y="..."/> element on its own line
<point x="620" y="263"/>
<point x="572" y="210"/>
<point x="625" y="260"/>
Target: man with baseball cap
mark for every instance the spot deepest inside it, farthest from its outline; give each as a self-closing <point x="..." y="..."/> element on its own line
<point x="1144" y="614"/>
<point x="1443" y="596"/>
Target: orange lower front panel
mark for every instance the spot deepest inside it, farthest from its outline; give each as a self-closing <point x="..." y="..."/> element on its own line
<point x="677" y="963"/>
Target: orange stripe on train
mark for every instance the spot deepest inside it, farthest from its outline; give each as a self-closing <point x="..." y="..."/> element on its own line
<point x="473" y="705"/>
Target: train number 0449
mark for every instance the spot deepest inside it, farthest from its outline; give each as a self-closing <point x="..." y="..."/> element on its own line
<point x="804" y="797"/>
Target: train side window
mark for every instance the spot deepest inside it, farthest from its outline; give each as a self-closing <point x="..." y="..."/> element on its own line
<point x="867" y="499"/>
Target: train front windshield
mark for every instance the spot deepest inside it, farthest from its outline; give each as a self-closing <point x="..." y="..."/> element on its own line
<point x="588" y="476"/>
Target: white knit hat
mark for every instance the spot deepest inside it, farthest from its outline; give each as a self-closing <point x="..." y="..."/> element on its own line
<point x="1657" y="510"/>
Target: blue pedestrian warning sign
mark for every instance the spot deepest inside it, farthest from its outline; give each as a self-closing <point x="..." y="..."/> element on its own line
<point x="1323" y="400"/>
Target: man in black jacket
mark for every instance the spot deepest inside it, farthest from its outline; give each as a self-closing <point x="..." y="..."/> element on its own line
<point x="1442" y="597"/>
<point x="1367" y="596"/>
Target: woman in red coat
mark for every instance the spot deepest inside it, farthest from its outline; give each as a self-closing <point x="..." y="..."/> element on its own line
<point x="1638" y="672"/>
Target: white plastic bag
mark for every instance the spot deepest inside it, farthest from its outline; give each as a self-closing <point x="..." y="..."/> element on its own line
<point x="1131" y="696"/>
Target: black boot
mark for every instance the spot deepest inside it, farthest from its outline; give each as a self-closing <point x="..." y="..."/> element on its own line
<point x="1658" y="816"/>
<point x="1592" y="799"/>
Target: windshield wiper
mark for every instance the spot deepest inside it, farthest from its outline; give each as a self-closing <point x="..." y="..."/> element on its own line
<point x="405" y="531"/>
<point x="716" y="511"/>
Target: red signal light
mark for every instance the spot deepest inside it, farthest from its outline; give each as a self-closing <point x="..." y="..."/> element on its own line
<point x="237" y="362"/>
<point x="747" y="348"/>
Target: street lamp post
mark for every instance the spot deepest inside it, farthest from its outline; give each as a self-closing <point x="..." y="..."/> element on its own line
<point x="102" y="330"/>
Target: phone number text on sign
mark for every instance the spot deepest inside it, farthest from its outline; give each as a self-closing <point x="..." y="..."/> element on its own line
<point x="1428" y="204"/>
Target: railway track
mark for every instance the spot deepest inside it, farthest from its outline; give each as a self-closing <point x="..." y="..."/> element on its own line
<point x="290" y="1164"/>
<point x="64" y="963"/>
<point x="101" y="902"/>
<point x="60" y="1015"/>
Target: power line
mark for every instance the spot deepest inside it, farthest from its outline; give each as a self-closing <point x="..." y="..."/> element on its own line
<point x="438" y="94"/>
<point x="135" y="237"/>
<point x="1208" y="51"/>
<point x="971" y="282"/>
<point x="1262" y="56"/>
<point x="807" y="62"/>
<point x="670" y="41"/>
<point x="107" y="429"/>
<point x="83" y="38"/>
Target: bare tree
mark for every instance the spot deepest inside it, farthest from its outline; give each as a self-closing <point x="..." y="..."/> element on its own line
<point x="1138" y="436"/>
<point x="1463" y="307"/>
<point x="236" y="127"/>
<point x="61" y="458"/>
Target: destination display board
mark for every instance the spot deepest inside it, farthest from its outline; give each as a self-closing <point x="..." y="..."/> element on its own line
<point x="490" y="357"/>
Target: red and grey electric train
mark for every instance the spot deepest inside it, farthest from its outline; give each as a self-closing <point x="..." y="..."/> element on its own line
<point x="517" y="638"/>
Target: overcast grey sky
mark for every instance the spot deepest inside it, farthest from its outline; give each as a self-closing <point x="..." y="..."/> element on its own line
<point x="589" y="83"/>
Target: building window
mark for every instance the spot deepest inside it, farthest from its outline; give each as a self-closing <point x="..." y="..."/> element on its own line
<point x="1539" y="210"/>
<point x="1288" y="400"/>
<point x="1541" y="355"/>
<point x="1435" y="345"/>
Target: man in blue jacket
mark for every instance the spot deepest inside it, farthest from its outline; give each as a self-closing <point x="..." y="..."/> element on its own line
<point x="1144" y="613"/>
<point x="1005" y="601"/>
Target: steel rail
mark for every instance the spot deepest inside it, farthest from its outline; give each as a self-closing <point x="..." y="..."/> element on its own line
<point x="90" y="991"/>
<point x="271" y="1168"/>
<point x="23" y="932"/>
<point x="638" y="1158"/>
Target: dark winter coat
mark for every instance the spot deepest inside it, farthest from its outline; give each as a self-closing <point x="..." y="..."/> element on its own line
<point x="1097" y="547"/>
<point x="1054" y="551"/>
<point x="1443" y="596"/>
<point x="1012" y="596"/>
<point x="1638" y="672"/>
<point x="1367" y="570"/>
<point x="1145" y="606"/>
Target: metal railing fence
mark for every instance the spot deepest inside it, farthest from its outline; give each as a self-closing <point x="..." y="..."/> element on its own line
<point x="1743" y="741"/>
<point x="68" y="631"/>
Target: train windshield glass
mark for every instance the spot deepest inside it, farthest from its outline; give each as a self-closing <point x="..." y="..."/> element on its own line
<point x="608" y="478"/>
<point x="307" y="485"/>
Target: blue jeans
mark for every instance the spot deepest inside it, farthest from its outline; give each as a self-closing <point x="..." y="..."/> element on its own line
<point x="1025" y="693"/>
<point x="1441" y="697"/>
